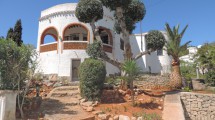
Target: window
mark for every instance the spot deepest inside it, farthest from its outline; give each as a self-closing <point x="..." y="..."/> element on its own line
<point x="121" y="44"/>
<point x="160" y="52"/>
<point x="104" y="36"/>
<point x="74" y="37"/>
<point x="84" y="37"/>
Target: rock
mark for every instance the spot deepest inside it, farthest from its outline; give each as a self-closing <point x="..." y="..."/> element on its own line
<point x="123" y="117"/>
<point x="90" y="109"/>
<point x="87" y="104"/>
<point x="103" y="116"/>
<point x="128" y="92"/>
<point x="110" y="119"/>
<point x="136" y="93"/>
<point x="83" y="100"/>
<point x="122" y="92"/>
<point x="159" y="107"/>
<point x="97" y="112"/>
<point x="95" y="103"/>
<point x="116" y="117"/>
<point x="139" y="118"/>
<point x="57" y="85"/>
<point x="133" y="118"/>
<point x="49" y="84"/>
<point x="89" y="118"/>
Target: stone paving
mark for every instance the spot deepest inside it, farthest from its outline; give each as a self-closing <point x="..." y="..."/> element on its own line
<point x="173" y="109"/>
<point x="63" y="104"/>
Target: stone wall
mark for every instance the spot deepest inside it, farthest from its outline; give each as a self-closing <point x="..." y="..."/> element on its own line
<point x="198" y="106"/>
<point x="152" y="82"/>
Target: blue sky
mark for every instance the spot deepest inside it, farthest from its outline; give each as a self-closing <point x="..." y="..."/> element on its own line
<point x="198" y="14"/>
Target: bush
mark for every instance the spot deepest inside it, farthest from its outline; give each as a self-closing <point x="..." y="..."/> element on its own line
<point x="92" y="75"/>
<point x="155" y="40"/>
<point x="15" y="64"/>
<point x="210" y="78"/>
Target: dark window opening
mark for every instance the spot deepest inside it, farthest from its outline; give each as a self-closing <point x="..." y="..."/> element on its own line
<point x="121" y="44"/>
<point x="160" y="52"/>
<point x="84" y="37"/>
<point x="74" y="37"/>
<point x="104" y="36"/>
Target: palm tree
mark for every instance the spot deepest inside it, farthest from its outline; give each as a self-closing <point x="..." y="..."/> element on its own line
<point x="131" y="70"/>
<point x="175" y="50"/>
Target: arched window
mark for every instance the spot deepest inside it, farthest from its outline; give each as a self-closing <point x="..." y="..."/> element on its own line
<point x="49" y="35"/>
<point x="75" y="32"/>
<point x="106" y="36"/>
<point x="49" y="39"/>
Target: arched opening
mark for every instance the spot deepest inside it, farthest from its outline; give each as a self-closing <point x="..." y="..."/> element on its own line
<point x="105" y="36"/>
<point x="107" y="39"/>
<point x="75" y="36"/>
<point x="48" y="41"/>
<point x="75" y="32"/>
<point x="49" y="35"/>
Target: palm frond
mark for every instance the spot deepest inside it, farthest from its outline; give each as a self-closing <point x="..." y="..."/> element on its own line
<point x="183" y="31"/>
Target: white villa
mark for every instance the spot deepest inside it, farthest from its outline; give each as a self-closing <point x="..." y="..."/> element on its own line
<point x="63" y="56"/>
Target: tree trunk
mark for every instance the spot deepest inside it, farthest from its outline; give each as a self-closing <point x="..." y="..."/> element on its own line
<point x="125" y="33"/>
<point x="95" y="30"/>
<point x="176" y="77"/>
<point x="132" y="92"/>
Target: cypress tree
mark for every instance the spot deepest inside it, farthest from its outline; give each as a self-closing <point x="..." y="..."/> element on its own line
<point x="17" y="34"/>
<point x="10" y="34"/>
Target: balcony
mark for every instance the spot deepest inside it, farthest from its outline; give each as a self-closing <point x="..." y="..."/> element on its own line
<point x="48" y="47"/>
<point x="80" y="45"/>
<point x="107" y="48"/>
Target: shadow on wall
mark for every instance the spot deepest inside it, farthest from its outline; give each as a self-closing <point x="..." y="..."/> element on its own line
<point x="147" y="63"/>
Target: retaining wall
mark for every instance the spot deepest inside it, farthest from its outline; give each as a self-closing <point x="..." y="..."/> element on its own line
<point x="198" y="106"/>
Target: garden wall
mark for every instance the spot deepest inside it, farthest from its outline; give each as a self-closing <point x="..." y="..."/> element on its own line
<point x="152" y="82"/>
<point x="198" y="106"/>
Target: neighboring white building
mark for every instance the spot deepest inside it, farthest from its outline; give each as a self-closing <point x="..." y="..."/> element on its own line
<point x="190" y="56"/>
<point x="63" y="56"/>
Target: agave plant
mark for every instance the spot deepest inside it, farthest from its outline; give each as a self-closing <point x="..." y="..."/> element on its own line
<point x="175" y="49"/>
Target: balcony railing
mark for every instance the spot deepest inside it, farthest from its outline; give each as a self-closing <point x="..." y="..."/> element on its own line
<point x="107" y="48"/>
<point x="48" y="47"/>
<point x="68" y="45"/>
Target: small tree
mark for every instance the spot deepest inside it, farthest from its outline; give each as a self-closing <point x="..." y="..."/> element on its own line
<point x="10" y="34"/>
<point x="206" y="57"/>
<point x="132" y="70"/>
<point x="17" y="34"/>
<point x="92" y="74"/>
<point x="127" y="14"/>
<point x="17" y="64"/>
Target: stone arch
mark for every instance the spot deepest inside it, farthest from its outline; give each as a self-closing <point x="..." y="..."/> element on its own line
<point x="52" y="31"/>
<point x="77" y="25"/>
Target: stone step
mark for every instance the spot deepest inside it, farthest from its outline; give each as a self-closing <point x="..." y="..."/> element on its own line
<point x="64" y="93"/>
<point x="67" y="88"/>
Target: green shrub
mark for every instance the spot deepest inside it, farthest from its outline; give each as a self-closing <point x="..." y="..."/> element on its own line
<point x="210" y="78"/>
<point x="92" y="74"/>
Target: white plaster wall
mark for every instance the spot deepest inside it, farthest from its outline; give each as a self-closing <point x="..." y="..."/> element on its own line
<point x="135" y="41"/>
<point x="158" y="64"/>
<point x="8" y="104"/>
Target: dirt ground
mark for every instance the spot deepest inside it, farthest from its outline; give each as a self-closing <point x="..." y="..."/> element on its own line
<point x="62" y="108"/>
<point x="145" y="104"/>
